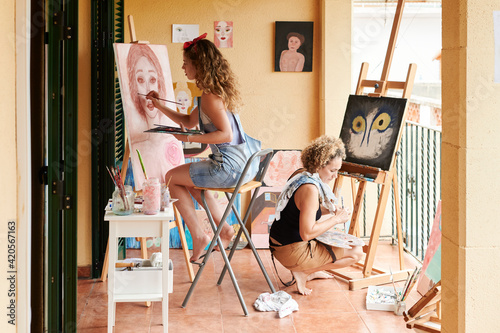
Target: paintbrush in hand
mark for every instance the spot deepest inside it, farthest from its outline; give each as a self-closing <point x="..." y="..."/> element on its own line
<point x="161" y="99"/>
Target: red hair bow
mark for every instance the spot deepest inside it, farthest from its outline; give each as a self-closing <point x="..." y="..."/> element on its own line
<point x="194" y="41"/>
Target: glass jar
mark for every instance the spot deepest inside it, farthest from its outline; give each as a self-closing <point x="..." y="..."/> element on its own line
<point x="151" y="195"/>
<point x="165" y="197"/>
<point x="123" y="203"/>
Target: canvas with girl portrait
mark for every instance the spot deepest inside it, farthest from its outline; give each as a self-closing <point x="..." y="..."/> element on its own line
<point x="142" y="68"/>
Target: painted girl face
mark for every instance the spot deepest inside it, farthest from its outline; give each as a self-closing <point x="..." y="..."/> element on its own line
<point x="146" y="79"/>
<point x="223" y="31"/>
<point x="330" y="171"/>
<point x="189" y="68"/>
<point x="183" y="98"/>
<point x="293" y="43"/>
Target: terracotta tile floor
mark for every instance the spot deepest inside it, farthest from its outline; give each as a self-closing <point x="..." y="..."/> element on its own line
<point x="330" y="308"/>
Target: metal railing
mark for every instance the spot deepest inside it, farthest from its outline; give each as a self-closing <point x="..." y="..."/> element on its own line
<point x="418" y="171"/>
<point x="419" y="180"/>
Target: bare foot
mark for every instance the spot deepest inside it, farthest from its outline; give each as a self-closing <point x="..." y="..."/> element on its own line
<point x="199" y="245"/>
<point x="301" y="278"/>
<point x="319" y="275"/>
<point x="226" y="235"/>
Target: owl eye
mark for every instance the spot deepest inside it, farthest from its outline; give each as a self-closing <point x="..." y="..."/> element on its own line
<point x="358" y="124"/>
<point x="382" y="122"/>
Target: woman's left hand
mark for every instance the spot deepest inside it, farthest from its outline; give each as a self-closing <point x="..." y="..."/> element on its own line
<point x="181" y="137"/>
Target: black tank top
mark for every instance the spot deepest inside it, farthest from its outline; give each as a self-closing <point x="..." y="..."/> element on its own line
<point x="286" y="229"/>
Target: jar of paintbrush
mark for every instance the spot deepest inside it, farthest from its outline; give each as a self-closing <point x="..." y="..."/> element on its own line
<point x="123" y="200"/>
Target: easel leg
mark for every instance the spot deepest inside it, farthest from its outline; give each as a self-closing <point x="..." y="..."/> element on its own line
<point x="338" y="185"/>
<point x="126" y="156"/>
<point x="182" y="236"/>
<point x="354" y="228"/>
<point x="353" y="189"/>
<point x="377" y="225"/>
<point x="144" y="248"/>
<point x="397" y="208"/>
<point x="104" y="272"/>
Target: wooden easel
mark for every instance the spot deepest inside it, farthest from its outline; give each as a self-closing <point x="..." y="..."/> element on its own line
<point x="178" y="221"/>
<point x="425" y="315"/>
<point x="366" y="174"/>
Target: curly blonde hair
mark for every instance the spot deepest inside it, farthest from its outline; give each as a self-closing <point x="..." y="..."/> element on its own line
<point x="213" y="74"/>
<point x="321" y="151"/>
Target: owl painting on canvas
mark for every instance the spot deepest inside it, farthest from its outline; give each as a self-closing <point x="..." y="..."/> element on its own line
<point x="371" y="128"/>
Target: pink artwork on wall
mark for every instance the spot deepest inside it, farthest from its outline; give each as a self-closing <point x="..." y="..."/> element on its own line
<point x="223" y="32"/>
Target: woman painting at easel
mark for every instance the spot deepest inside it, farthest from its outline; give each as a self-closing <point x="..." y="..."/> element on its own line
<point x="304" y="199"/>
<point x="231" y="147"/>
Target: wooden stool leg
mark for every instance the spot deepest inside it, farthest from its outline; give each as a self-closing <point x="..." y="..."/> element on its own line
<point x="104" y="272"/>
<point x="185" y="249"/>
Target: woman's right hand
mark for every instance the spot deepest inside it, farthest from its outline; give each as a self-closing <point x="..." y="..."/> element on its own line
<point x="153" y="97"/>
<point x="342" y="215"/>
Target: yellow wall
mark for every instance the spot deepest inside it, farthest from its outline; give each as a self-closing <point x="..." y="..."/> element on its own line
<point x="470" y="155"/>
<point x="84" y="257"/>
<point x="9" y="180"/>
<point x="8" y="204"/>
<point x="281" y="109"/>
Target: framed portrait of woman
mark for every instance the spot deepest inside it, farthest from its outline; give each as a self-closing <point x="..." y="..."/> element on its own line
<point x="293" y="48"/>
<point x="142" y="68"/>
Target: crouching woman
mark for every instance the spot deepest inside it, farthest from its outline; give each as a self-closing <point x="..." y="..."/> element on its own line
<point x="305" y="198"/>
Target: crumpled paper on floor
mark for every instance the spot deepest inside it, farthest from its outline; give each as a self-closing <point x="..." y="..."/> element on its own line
<point x="279" y="301"/>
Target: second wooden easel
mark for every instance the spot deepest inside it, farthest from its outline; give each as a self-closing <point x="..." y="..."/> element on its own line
<point x="178" y="221"/>
<point x="376" y="175"/>
<point x="425" y="315"/>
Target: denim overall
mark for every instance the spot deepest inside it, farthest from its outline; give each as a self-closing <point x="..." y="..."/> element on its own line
<point x="226" y="163"/>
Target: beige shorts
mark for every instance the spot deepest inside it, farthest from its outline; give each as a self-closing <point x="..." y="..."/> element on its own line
<point x="300" y="256"/>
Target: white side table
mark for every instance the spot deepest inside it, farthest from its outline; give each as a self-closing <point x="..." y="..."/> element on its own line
<point x="148" y="284"/>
